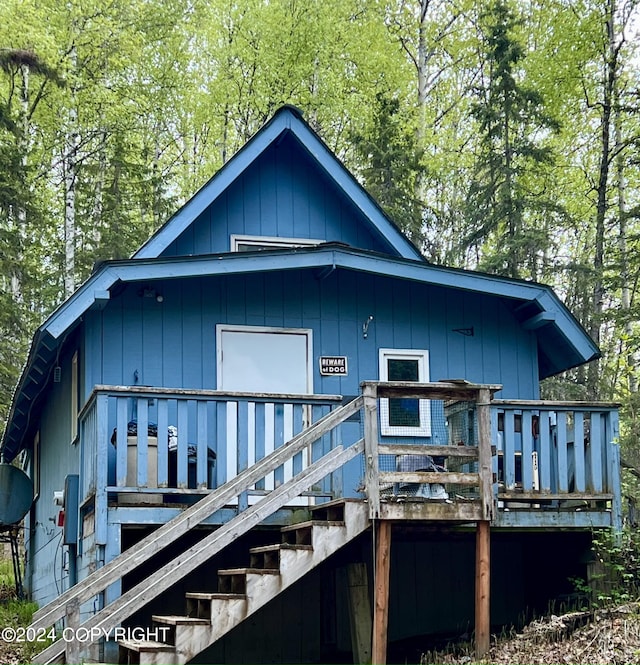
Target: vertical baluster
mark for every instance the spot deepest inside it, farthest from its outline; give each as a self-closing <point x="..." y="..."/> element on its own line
<point x="202" y="440"/>
<point x="287" y="428"/>
<point x="578" y="451"/>
<point x="121" y="441"/>
<point x="251" y="433"/>
<point x="269" y="441"/>
<point x="597" y="446"/>
<point x="561" y="440"/>
<point x="278" y="434"/>
<point x="495" y="440"/>
<point x="243" y="455"/>
<point x="231" y="437"/>
<point x="509" y="451"/>
<point x="544" y="459"/>
<point x="315" y="449"/>
<point x="222" y="444"/>
<point x="143" y="441"/>
<point x="259" y="419"/>
<point x="163" y="443"/>
<point x="527" y="450"/>
<point x="182" y="458"/>
<point x="298" y="459"/>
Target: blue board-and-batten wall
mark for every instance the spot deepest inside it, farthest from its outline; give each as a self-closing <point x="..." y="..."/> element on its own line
<point x="173" y="343"/>
<point x="282" y="194"/>
<point x="47" y="572"/>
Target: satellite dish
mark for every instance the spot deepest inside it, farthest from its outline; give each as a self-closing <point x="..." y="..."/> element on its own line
<point x="16" y="494"/>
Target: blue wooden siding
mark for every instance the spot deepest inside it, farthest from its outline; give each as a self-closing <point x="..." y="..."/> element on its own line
<point x="46" y="577"/>
<point x="283" y="193"/>
<point x="172" y="343"/>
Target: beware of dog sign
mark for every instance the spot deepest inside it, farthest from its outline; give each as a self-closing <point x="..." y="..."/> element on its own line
<point x="333" y="365"/>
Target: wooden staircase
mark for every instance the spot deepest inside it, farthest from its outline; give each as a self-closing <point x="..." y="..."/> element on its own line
<point x="243" y="591"/>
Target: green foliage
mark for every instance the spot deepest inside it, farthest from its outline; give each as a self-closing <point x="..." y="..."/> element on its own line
<point x="615" y="569"/>
<point x="16" y="614"/>
<point x="477" y="126"/>
<point x="391" y="164"/>
<point x="512" y="123"/>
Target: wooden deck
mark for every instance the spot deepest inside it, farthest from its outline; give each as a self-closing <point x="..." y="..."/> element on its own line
<point x="486" y="464"/>
<point x="515" y="463"/>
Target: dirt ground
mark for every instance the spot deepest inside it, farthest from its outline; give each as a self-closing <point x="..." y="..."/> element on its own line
<point x="605" y="637"/>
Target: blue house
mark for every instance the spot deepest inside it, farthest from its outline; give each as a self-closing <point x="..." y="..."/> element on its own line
<point x="275" y="382"/>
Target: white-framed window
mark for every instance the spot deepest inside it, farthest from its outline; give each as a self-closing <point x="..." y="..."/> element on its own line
<point x="240" y="243"/>
<point x="404" y="416"/>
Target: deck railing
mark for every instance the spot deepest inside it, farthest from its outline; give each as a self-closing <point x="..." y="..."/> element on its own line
<point x="532" y="451"/>
<point x="143" y="445"/>
<point x="470" y="464"/>
<point x="556" y="450"/>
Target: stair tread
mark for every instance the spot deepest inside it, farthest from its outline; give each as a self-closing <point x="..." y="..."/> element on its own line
<point x="249" y="571"/>
<point x="216" y="595"/>
<point x="334" y="503"/>
<point x="176" y="619"/>
<point x="145" y="645"/>
<point x="303" y="525"/>
<point x="279" y="546"/>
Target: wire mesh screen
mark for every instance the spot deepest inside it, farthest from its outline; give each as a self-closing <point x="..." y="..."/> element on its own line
<point x="423" y="422"/>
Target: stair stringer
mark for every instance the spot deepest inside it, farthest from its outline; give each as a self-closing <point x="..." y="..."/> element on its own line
<point x="229" y="610"/>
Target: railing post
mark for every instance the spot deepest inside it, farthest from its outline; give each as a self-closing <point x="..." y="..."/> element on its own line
<point x="485" y="466"/>
<point x="102" y="416"/>
<point x="613" y="434"/>
<point x="370" y="395"/>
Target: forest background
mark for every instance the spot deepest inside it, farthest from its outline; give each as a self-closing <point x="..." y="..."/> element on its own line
<point x="501" y="135"/>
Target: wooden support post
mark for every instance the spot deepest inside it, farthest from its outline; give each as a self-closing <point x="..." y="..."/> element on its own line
<point x="381" y="593"/>
<point x="483" y="605"/>
<point x="359" y="612"/>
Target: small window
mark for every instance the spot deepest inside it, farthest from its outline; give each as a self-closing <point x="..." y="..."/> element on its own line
<point x="259" y="243"/>
<point x="404" y="417"/>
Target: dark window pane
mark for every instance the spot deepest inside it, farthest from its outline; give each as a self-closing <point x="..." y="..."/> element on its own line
<point x="402" y="370"/>
<point x="403" y="412"/>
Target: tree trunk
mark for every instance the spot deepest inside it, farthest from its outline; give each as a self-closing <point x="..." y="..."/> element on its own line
<point x="70" y="163"/>
<point x="597" y="300"/>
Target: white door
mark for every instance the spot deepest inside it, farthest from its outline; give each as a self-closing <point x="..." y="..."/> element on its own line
<point x="263" y="360"/>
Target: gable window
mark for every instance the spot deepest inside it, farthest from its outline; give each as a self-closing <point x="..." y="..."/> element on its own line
<point x="404" y="416"/>
<point x="257" y="243"/>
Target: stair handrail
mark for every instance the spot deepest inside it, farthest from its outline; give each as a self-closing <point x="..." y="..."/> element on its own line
<point x="169" y="532"/>
<point x="104" y="621"/>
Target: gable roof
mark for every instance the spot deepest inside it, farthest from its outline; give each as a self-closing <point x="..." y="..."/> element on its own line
<point x="287" y="120"/>
<point x="562" y="342"/>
